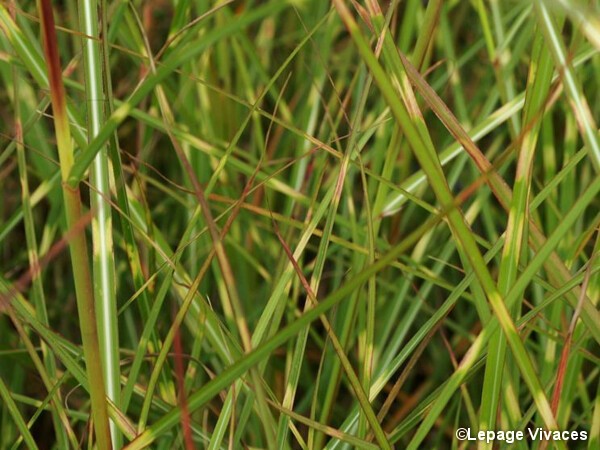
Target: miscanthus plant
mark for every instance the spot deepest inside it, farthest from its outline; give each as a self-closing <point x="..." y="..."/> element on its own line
<point x="299" y="224"/>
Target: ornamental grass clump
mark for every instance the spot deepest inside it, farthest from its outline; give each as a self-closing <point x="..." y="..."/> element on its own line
<point x="300" y="224"/>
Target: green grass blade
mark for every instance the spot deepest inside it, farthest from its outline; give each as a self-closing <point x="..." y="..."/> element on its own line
<point x="102" y="235"/>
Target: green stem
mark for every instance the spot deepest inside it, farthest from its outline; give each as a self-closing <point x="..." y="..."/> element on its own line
<point x="77" y="241"/>
<point x="102" y="240"/>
